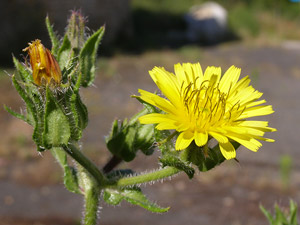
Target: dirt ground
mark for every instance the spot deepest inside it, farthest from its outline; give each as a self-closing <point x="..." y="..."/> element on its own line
<point x="31" y="189"/>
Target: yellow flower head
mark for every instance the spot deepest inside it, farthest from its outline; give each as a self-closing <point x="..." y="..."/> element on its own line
<point x="45" y="68"/>
<point x="203" y="106"/>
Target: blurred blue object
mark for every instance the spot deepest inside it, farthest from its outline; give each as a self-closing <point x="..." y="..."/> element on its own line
<point x="294" y="0"/>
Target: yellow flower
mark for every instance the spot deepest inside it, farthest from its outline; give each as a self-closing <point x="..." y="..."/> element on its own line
<point x="204" y="106"/>
<point x="45" y="69"/>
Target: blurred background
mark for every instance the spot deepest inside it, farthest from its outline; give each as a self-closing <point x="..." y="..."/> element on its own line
<point x="260" y="36"/>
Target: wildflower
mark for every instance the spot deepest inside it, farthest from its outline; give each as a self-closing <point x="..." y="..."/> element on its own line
<point x="45" y="69"/>
<point x="204" y="106"/>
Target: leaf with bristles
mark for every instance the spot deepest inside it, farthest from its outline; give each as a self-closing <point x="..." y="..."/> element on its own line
<point x="24" y="74"/>
<point x="87" y="57"/>
<point x="53" y="37"/>
<point x="132" y="195"/>
<point x="15" y="114"/>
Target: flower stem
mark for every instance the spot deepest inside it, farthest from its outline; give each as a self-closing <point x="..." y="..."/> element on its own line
<point x="113" y="162"/>
<point x="91" y="206"/>
<point x="147" y="177"/>
<point x="86" y="164"/>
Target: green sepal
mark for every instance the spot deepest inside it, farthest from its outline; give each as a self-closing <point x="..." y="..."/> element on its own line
<point x="174" y="161"/>
<point x="33" y="115"/>
<point x="198" y="157"/>
<point x="121" y="143"/>
<point x="145" y="139"/>
<point x="126" y="138"/>
<point x="70" y="174"/>
<point x="164" y="146"/>
<point x="53" y="37"/>
<point x="72" y="115"/>
<point x="76" y="112"/>
<point x="23" y="73"/>
<point x="132" y="195"/>
<point x="26" y="77"/>
<point x="17" y="115"/>
<point x="87" y="57"/>
<point x="56" y="125"/>
<point x="64" y="54"/>
<point x="81" y="111"/>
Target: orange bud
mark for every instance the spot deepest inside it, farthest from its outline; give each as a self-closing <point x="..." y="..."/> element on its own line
<point x="45" y="69"/>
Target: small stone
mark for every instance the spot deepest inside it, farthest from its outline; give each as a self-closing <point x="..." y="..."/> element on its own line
<point x="207" y="23"/>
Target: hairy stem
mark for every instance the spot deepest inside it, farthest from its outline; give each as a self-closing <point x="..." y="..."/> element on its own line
<point x="147" y="177"/>
<point x="91" y="206"/>
<point x="112" y="163"/>
<point x="86" y="164"/>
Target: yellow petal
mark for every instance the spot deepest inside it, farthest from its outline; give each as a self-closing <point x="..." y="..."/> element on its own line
<point x="227" y="150"/>
<point x="255" y="103"/>
<point x="157" y="101"/>
<point x="198" y="73"/>
<point x="211" y="70"/>
<point x="183" y="74"/>
<point x="166" y="125"/>
<point x="244" y="130"/>
<point x="201" y="138"/>
<point x="155" y="118"/>
<point x="229" y="79"/>
<point x="184" y="140"/>
<point x="246" y="141"/>
<point x="256" y="111"/>
<point x="167" y="83"/>
<point x="219" y="137"/>
<point x="241" y="84"/>
<point x="253" y="123"/>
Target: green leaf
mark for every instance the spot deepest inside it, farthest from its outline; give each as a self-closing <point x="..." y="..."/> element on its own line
<point x="279" y="216"/>
<point x="24" y="74"/>
<point x="132" y="195"/>
<point x="56" y="129"/>
<point x="87" y="57"/>
<point x="174" y="161"/>
<point x="53" y="37"/>
<point x="293" y="213"/>
<point x="70" y="174"/>
<point x="112" y="197"/>
<point x="267" y="214"/>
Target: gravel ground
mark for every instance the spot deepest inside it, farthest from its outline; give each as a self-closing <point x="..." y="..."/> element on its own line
<point x="31" y="191"/>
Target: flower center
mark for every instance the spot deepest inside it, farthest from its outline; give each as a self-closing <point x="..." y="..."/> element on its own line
<point x="206" y="106"/>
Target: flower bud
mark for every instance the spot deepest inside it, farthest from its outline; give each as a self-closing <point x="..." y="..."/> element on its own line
<point x="76" y="30"/>
<point x="45" y="69"/>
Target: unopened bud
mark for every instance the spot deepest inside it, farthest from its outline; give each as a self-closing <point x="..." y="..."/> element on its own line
<point x="45" y="69"/>
<point x="75" y="29"/>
